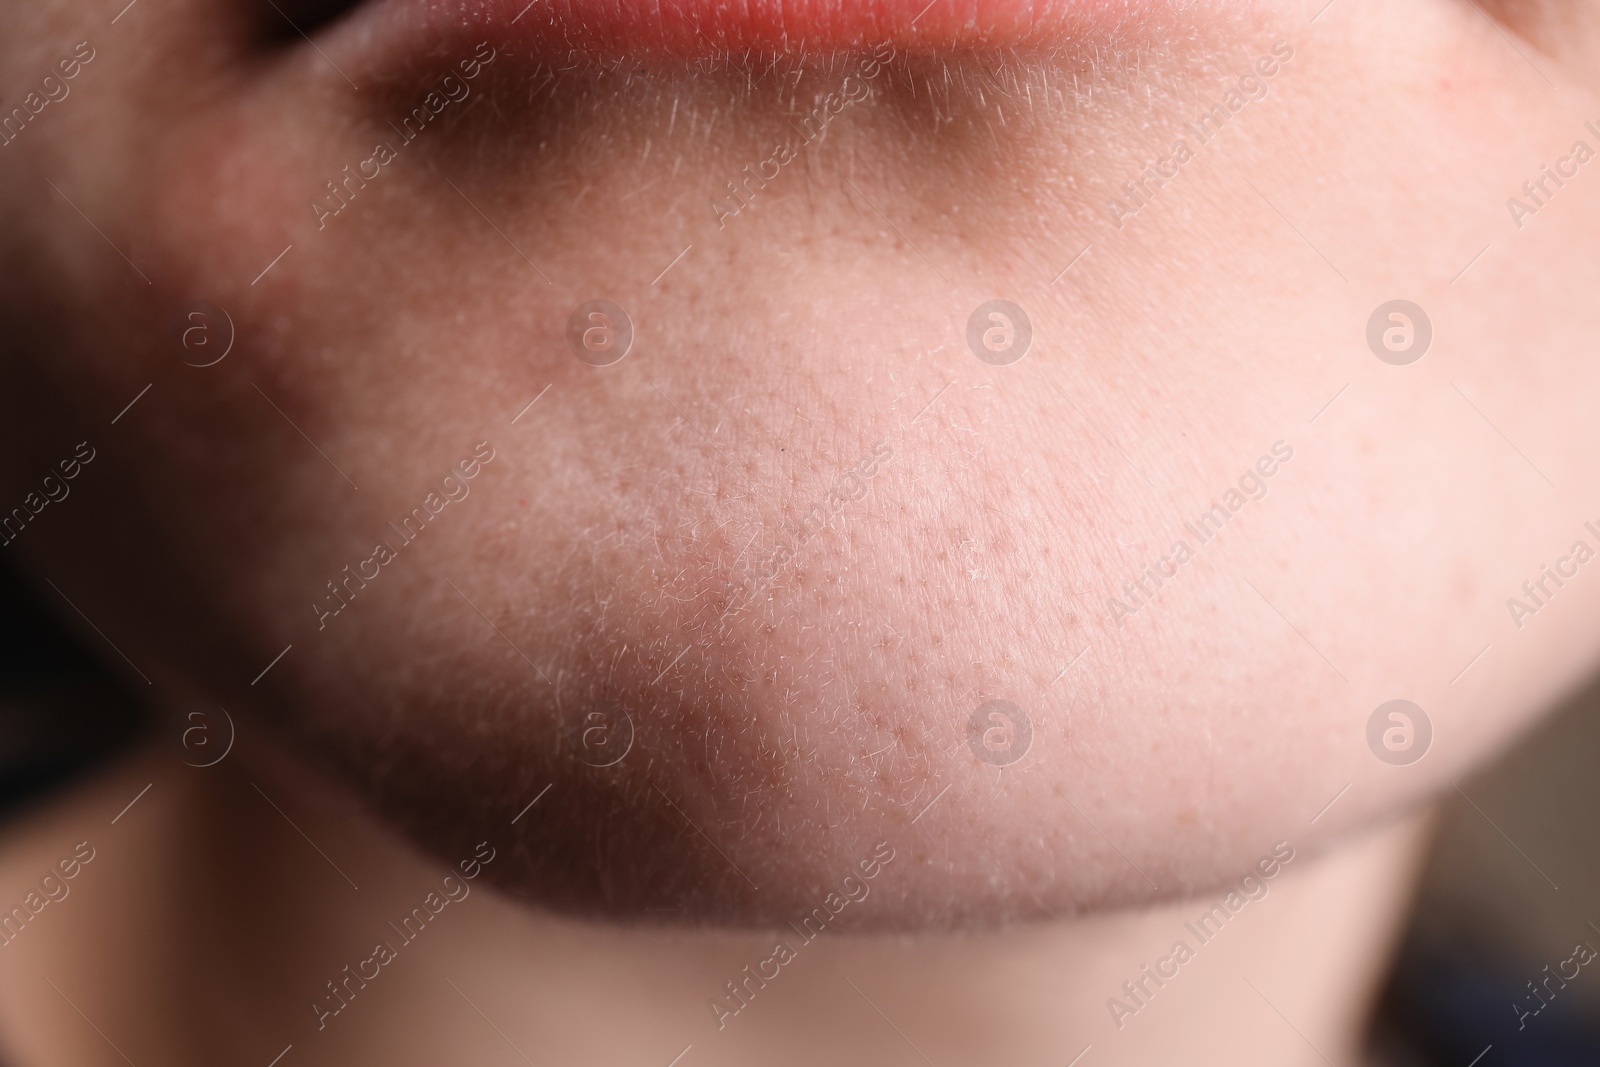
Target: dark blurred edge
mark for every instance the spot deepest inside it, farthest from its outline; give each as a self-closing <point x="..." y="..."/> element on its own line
<point x="62" y="711"/>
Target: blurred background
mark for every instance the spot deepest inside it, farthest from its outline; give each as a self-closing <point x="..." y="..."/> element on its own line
<point x="1510" y="889"/>
<point x="1509" y="894"/>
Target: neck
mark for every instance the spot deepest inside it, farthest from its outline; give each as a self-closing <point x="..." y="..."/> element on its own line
<point x="209" y="928"/>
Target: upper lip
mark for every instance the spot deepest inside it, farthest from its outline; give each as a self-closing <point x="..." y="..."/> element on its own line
<point x="710" y="28"/>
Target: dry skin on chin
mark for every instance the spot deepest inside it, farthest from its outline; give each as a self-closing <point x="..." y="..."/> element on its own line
<point x="801" y="531"/>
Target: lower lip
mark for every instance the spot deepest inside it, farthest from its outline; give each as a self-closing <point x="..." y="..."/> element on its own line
<point x="709" y="28"/>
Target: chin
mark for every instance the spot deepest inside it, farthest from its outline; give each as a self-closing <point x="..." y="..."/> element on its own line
<point x="675" y="679"/>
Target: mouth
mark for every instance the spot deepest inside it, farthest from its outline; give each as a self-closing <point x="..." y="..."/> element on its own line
<point x="698" y="28"/>
<point x="718" y="29"/>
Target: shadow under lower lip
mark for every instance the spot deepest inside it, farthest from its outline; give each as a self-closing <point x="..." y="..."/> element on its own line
<point x="293" y="21"/>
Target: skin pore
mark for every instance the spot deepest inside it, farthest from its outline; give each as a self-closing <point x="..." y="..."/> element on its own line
<point x="637" y="543"/>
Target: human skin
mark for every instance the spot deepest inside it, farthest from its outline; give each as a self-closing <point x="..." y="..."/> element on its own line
<point x="595" y="565"/>
<point x="206" y="928"/>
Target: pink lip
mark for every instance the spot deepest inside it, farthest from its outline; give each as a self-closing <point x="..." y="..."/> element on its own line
<point x="701" y="28"/>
